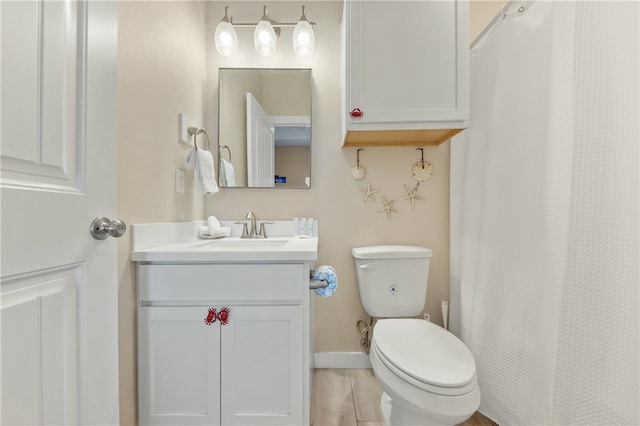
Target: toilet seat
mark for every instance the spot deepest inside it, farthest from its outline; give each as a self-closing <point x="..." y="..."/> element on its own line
<point x="425" y="355"/>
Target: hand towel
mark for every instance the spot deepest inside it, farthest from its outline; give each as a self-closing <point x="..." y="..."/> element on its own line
<point x="228" y="174"/>
<point x="214" y="226"/>
<point x="202" y="162"/>
<point x="326" y="273"/>
<point x="190" y="159"/>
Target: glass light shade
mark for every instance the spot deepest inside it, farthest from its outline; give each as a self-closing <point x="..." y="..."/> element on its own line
<point x="304" y="40"/>
<point x="226" y="39"/>
<point x="264" y="38"/>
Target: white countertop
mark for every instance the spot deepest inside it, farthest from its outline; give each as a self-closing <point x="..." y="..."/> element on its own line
<point x="178" y="242"/>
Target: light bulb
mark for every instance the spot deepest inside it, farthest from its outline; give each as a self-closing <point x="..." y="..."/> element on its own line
<point x="226" y="37"/>
<point x="304" y="39"/>
<point x="264" y="38"/>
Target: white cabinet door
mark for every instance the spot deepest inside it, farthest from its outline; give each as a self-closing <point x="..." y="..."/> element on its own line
<point x="406" y="64"/>
<point x="178" y="366"/>
<point x="262" y="372"/>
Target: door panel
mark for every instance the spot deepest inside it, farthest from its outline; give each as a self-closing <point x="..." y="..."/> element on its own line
<point x="39" y="349"/>
<point x="39" y="109"/>
<point x="178" y="366"/>
<point x="261" y="355"/>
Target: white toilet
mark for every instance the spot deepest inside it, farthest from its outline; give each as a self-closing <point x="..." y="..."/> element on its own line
<point x="428" y="375"/>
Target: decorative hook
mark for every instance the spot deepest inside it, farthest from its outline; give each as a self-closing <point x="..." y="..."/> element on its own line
<point x="421" y="156"/>
<point x="358" y="156"/>
<point x="421" y="170"/>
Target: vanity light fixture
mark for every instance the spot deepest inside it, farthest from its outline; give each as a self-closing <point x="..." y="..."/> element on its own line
<point x="265" y="35"/>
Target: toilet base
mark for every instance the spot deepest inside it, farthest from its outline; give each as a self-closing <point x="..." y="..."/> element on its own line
<point x="385" y="408"/>
<point x="394" y="414"/>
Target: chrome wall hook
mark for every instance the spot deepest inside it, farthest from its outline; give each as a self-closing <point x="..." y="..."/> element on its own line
<point x="194" y="131"/>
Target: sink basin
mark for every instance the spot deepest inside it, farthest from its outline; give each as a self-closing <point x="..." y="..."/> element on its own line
<point x="250" y="243"/>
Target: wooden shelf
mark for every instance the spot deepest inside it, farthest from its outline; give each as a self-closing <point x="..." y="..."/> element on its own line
<point x="390" y="138"/>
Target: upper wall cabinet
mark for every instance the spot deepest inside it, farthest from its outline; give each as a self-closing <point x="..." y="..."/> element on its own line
<point x="406" y="72"/>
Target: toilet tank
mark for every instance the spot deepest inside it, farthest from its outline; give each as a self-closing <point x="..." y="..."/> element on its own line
<point x="392" y="279"/>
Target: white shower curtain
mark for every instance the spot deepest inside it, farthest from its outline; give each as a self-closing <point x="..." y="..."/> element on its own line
<point x="545" y="284"/>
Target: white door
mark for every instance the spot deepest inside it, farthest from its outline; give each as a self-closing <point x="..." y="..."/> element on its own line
<point x="58" y="150"/>
<point x="260" y="145"/>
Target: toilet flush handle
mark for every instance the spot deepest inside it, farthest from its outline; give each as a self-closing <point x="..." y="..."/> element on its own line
<point x="369" y="265"/>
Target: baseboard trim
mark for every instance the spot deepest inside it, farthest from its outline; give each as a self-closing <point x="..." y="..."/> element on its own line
<point x="341" y="360"/>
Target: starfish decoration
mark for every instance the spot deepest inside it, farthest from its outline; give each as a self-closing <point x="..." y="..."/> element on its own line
<point x="412" y="195"/>
<point x="369" y="192"/>
<point x="388" y="207"/>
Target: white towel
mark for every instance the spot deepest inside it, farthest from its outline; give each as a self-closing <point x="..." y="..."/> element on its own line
<point x="228" y="174"/>
<point x="225" y="231"/>
<point x="202" y="162"/>
<point x="213" y="228"/>
<point x="214" y="225"/>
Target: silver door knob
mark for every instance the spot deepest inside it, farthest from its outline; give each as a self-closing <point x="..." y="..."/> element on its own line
<point x="102" y="228"/>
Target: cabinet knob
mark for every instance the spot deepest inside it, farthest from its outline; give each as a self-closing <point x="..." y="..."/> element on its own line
<point x="223" y="315"/>
<point x="356" y="113"/>
<point x="211" y="316"/>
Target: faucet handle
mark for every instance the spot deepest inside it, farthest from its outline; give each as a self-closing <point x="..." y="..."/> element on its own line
<point x="245" y="231"/>
<point x="263" y="231"/>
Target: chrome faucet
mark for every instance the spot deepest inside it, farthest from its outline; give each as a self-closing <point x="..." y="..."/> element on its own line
<point x="253" y="230"/>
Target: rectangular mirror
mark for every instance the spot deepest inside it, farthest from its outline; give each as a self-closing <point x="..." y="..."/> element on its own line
<point x="264" y="131"/>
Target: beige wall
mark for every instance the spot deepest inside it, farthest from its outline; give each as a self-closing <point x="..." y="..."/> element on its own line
<point x="481" y="13"/>
<point x="162" y="71"/>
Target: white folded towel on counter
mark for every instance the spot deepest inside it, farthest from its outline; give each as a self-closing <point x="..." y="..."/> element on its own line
<point x="214" y="225"/>
<point x="202" y="162"/>
<point x="214" y="229"/>
<point x="225" y="231"/>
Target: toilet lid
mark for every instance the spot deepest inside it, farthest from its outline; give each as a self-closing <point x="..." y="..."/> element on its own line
<point x="425" y="352"/>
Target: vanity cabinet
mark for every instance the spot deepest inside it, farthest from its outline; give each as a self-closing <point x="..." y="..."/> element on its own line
<point x="406" y="72"/>
<point x="199" y="368"/>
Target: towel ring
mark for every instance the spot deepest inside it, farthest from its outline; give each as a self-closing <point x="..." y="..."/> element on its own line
<point x="194" y="131"/>
<point x="228" y="150"/>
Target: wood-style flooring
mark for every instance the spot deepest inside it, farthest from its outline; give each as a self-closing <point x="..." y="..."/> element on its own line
<point x="351" y="397"/>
